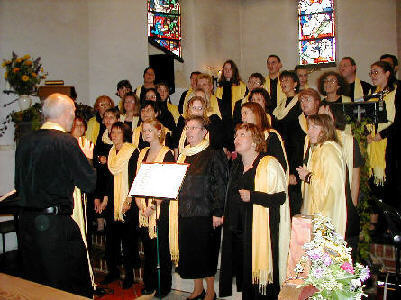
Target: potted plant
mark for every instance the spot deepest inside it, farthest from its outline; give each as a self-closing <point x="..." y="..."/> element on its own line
<point x="23" y="75"/>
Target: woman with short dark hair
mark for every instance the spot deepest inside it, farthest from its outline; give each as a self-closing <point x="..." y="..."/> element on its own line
<point x="334" y="87"/>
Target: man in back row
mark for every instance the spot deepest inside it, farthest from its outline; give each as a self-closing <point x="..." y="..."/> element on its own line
<point x="49" y="164"/>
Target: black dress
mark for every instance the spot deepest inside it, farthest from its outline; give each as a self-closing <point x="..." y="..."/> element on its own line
<point x="236" y="257"/>
<point x="201" y="197"/>
<point x="294" y="140"/>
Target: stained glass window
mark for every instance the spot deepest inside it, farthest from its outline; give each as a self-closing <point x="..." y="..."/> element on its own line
<point x="317" y="42"/>
<point x="164" y="26"/>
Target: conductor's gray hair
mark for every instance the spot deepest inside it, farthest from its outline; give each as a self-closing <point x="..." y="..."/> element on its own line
<point x="53" y="106"/>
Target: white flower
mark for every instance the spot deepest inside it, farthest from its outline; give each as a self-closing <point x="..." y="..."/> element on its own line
<point x="355" y="283"/>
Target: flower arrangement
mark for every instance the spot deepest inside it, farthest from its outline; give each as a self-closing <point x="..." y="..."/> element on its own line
<point x="331" y="270"/>
<point x="23" y="74"/>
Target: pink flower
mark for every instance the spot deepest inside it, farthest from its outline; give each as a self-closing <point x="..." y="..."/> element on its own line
<point x="347" y="267"/>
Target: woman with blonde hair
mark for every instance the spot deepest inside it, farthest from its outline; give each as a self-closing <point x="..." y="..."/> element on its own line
<point x="95" y="126"/>
<point x="324" y="173"/>
<point x="256" y="220"/>
<point x="154" y="214"/>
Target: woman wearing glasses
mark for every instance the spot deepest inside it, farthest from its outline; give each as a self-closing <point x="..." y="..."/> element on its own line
<point x="196" y="217"/>
<point x="333" y="86"/>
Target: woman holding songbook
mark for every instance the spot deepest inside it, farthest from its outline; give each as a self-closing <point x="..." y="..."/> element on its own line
<point x="121" y="218"/>
<point x="154" y="215"/>
<point x="196" y="217"/>
<point x="256" y="220"/>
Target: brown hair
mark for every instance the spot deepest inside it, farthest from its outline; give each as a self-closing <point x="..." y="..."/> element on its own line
<point x="236" y="78"/>
<point x="202" y="120"/>
<point x="260" y="115"/>
<point x="136" y="103"/>
<point x="158" y="126"/>
<point x="343" y="85"/>
<point x="103" y="97"/>
<point x="204" y="102"/>
<point x="257" y="136"/>
<point x="309" y="92"/>
<point x="328" y="132"/>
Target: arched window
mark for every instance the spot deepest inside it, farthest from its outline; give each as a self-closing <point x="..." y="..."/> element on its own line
<point x="316" y="26"/>
<point x="164" y="26"/>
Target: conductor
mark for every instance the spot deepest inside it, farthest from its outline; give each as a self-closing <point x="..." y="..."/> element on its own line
<point x="48" y="165"/>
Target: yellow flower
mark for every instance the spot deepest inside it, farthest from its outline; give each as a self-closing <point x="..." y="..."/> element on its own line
<point x="5" y="75"/>
<point x="26" y="56"/>
<point x="15" y="70"/>
<point x="7" y="62"/>
<point x="18" y="60"/>
<point x="41" y="69"/>
<point x="28" y="62"/>
<point x="25" y="78"/>
<point x="34" y="75"/>
<point x="3" y="65"/>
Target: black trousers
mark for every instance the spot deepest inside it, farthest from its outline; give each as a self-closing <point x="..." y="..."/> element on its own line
<point x="125" y="234"/>
<point x="150" y="276"/>
<point x="53" y="252"/>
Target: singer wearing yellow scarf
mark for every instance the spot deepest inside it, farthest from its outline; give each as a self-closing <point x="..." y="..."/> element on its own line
<point x="200" y="210"/>
<point x="383" y="140"/>
<point x="256" y="220"/>
<point x="197" y="106"/>
<point x="154" y="212"/>
<point x="120" y="216"/>
<point x="324" y="175"/>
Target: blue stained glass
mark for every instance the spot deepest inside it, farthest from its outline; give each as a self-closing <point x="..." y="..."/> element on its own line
<point x="164" y="25"/>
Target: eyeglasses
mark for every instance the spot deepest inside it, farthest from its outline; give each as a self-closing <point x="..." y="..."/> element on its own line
<point x="332" y="81"/>
<point x="152" y="97"/>
<point x="374" y="72"/>
<point x="197" y="107"/>
<point x="188" y="128"/>
<point x="104" y="104"/>
<point x="147" y="130"/>
<point x="254" y="82"/>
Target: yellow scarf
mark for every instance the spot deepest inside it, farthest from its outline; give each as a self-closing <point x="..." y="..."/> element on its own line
<point x="213" y="107"/>
<point x="237" y="93"/>
<point x="138" y="91"/>
<point x="118" y="166"/>
<point x="281" y="97"/>
<point x="52" y="125"/>
<point x="173" y="207"/>
<point x="92" y="130"/>
<point x="267" y="132"/>
<point x="377" y="150"/>
<point x="183" y="139"/>
<point x="105" y="137"/>
<point x="269" y="178"/>
<point x="283" y="110"/>
<point x="135" y="120"/>
<point x="303" y="122"/>
<point x="347" y="145"/>
<point x="188" y="96"/>
<point x="325" y="194"/>
<point x="173" y="109"/>
<point x="145" y="221"/>
<point x="358" y="91"/>
<point x="78" y="216"/>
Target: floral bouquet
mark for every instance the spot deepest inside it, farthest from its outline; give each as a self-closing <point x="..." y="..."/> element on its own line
<point x="331" y="272"/>
<point x="23" y="74"/>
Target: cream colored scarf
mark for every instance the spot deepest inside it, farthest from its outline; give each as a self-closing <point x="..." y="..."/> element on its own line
<point x="173" y="207"/>
<point x="358" y="91"/>
<point x="138" y="91"/>
<point x="280" y="94"/>
<point x="118" y="166"/>
<point x="145" y="221"/>
<point x="135" y="120"/>
<point x="93" y="130"/>
<point x="269" y="178"/>
<point x="237" y="93"/>
<point x="52" y="125"/>
<point x="303" y="122"/>
<point x="105" y="137"/>
<point x="283" y="110"/>
<point x="183" y="139"/>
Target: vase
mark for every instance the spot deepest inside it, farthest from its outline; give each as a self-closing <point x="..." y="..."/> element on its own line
<point x="24" y="102"/>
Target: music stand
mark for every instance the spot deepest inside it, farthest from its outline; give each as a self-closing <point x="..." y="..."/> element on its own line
<point x="162" y="181"/>
<point x="373" y="111"/>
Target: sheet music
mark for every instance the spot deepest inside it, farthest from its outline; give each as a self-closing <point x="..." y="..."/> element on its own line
<point x="159" y="180"/>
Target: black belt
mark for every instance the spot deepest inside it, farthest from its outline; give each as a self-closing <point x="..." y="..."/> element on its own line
<point x="51" y="210"/>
